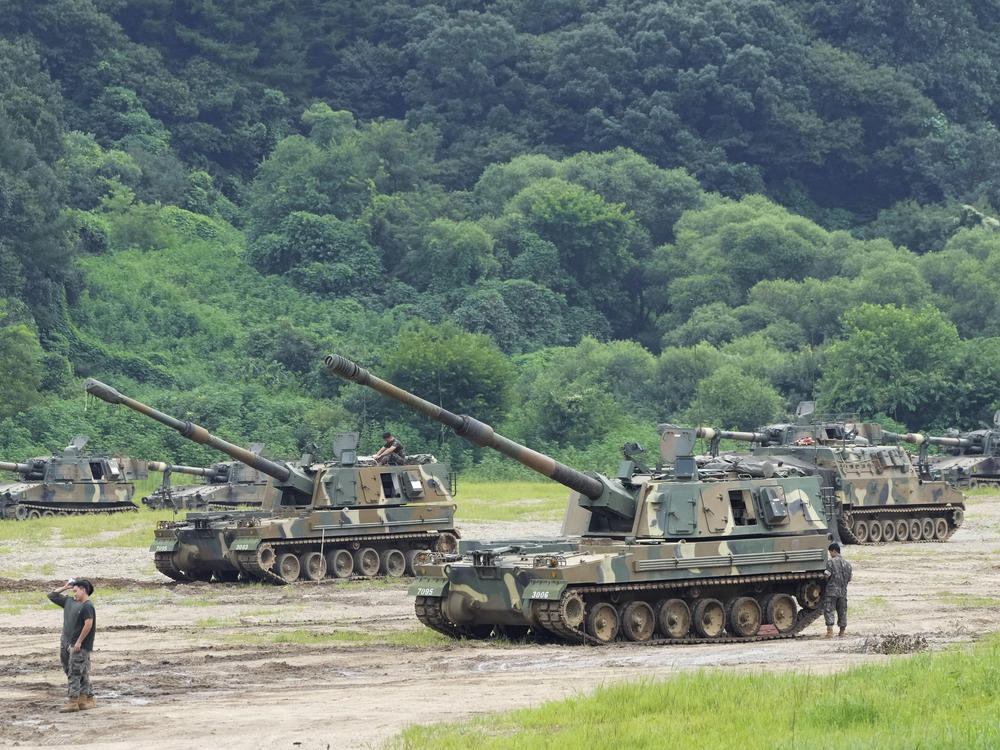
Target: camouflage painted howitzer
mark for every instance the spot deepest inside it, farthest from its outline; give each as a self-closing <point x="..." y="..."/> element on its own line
<point x="227" y="484"/>
<point x="872" y="493"/>
<point x="70" y="482"/>
<point x="970" y="459"/>
<point x="331" y="519"/>
<point x="656" y="554"/>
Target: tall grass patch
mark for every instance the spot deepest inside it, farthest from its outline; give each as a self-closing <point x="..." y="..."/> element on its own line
<point x="510" y="501"/>
<point x="947" y="700"/>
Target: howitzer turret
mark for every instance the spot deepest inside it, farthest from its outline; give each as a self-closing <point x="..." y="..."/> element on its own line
<point x="970" y="459"/>
<point x="872" y="491"/>
<point x="70" y="482"/>
<point x="332" y="518"/>
<point x="661" y="555"/>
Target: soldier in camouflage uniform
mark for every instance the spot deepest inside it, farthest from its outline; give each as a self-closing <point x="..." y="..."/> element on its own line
<point x="838" y="575"/>
<point x="391" y="453"/>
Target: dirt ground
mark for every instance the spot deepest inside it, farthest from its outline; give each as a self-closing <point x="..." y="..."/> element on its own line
<point x="182" y="665"/>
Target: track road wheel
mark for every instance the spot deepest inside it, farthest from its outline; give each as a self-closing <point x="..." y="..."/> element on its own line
<point x="673" y="616"/>
<point x="265" y="556"/>
<point x="20" y="512"/>
<point x="779" y="610"/>
<point x="411" y="561"/>
<point x="915" y="527"/>
<point x="313" y="566"/>
<point x="902" y="531"/>
<point x="602" y="622"/>
<point x="638" y="621"/>
<point x="571" y="609"/>
<point x="888" y="531"/>
<point x="366" y="562"/>
<point x="743" y="616"/>
<point x="48" y="513"/>
<point x="446" y="542"/>
<point x="287" y="567"/>
<point x="926" y="528"/>
<point x="709" y="618"/>
<point x="861" y="531"/>
<point x="874" y="531"/>
<point x="34" y="513"/>
<point x="340" y="563"/>
<point x="392" y="563"/>
<point x="941" y="529"/>
<point x="810" y="594"/>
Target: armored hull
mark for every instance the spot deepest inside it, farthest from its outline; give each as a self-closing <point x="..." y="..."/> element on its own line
<point x="329" y="519"/>
<point x="70" y="483"/>
<point x="690" y="585"/>
<point x="877" y="494"/>
<point x="282" y="544"/>
<point x="651" y="555"/>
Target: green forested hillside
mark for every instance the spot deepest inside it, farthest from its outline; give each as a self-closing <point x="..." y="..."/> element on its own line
<point x="571" y="218"/>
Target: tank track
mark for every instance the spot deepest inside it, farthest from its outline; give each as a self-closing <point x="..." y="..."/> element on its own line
<point x="549" y="612"/>
<point x="249" y="566"/>
<point x="164" y="562"/>
<point x="849" y="537"/>
<point x="71" y="509"/>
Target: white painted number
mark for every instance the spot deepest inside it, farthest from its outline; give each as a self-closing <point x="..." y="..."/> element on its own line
<point x="425" y="592"/>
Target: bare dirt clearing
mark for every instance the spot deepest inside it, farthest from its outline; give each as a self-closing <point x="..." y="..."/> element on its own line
<point x="180" y="666"/>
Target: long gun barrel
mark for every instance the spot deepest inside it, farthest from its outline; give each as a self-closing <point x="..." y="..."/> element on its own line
<point x="189" y="430"/>
<point x="711" y="433"/>
<point x="196" y="471"/>
<point x="10" y="466"/>
<point x="920" y="439"/>
<point x="471" y="429"/>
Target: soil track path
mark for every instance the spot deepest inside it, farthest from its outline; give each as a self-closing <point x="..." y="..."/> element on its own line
<point x="181" y="666"/>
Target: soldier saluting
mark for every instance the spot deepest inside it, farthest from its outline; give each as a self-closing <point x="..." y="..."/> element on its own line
<point x="838" y="575"/>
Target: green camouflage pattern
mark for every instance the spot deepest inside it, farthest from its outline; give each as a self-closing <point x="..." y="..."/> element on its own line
<point x="361" y="521"/>
<point x="874" y="494"/>
<point x="331" y="519"/>
<point x="227" y="484"/>
<point x="654" y="554"/>
<point x="70" y="483"/>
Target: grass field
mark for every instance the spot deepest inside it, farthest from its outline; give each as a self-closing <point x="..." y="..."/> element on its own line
<point x="943" y="701"/>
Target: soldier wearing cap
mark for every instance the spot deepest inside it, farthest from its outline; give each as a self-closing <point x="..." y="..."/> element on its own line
<point x="838" y="575"/>
<point x="77" y="641"/>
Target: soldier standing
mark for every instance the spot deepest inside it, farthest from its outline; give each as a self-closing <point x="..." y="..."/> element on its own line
<point x="391" y="453"/>
<point x="77" y="641"/>
<point x="838" y="575"/>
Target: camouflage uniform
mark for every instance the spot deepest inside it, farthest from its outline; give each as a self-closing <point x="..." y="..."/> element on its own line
<point x="838" y="572"/>
<point x="396" y="457"/>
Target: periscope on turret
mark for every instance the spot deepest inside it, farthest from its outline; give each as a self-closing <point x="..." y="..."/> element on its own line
<point x="656" y="552"/>
<point x="336" y="519"/>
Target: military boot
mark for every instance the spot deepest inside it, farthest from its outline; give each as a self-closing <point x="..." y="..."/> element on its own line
<point x="87" y="701"/>
<point x="841" y="633"/>
<point x="829" y="632"/>
<point x="72" y="705"/>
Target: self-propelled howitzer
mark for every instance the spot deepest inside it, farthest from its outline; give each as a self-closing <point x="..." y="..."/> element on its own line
<point x="872" y="492"/>
<point x="660" y="555"/>
<point x="970" y="459"/>
<point x="70" y="483"/>
<point x="324" y="519"/>
<point x="227" y="484"/>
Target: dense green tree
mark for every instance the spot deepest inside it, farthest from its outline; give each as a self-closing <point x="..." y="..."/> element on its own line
<point x="463" y="372"/>
<point x="891" y="360"/>
<point x="730" y="398"/>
